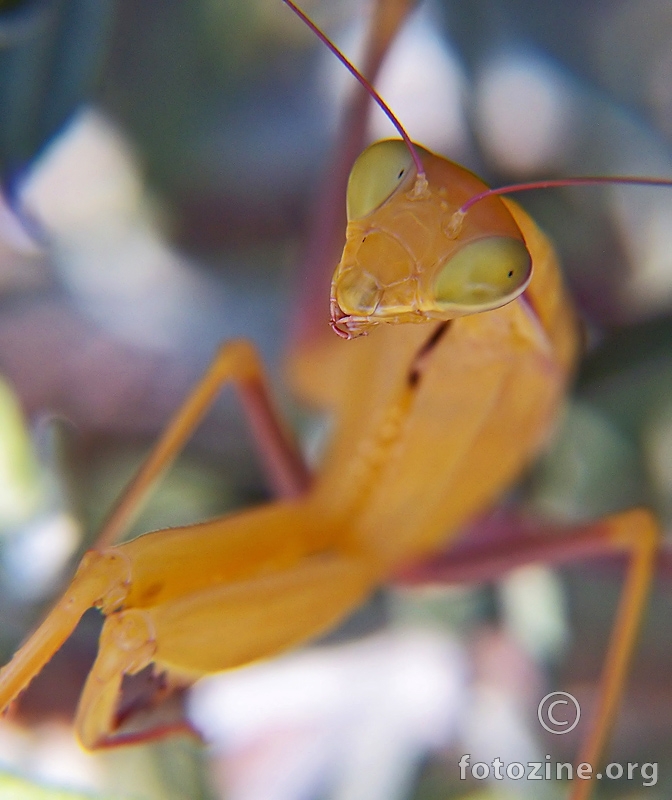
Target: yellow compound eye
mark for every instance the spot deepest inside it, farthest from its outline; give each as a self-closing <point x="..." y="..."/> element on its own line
<point x="484" y="274"/>
<point x="375" y="175"/>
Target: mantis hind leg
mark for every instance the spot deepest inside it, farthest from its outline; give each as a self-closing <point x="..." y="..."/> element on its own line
<point x="635" y="533"/>
<point x="237" y="362"/>
<point x="638" y="534"/>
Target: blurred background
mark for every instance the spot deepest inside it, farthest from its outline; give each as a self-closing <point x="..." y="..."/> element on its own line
<point x="160" y="162"/>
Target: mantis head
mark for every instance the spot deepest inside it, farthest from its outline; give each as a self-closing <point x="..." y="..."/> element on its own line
<point x="412" y="254"/>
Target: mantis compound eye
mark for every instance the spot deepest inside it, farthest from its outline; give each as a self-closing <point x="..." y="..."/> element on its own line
<point x="378" y="171"/>
<point x="484" y="274"/>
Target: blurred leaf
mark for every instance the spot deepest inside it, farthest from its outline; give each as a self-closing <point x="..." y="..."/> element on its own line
<point x="13" y="788"/>
<point x="172" y="769"/>
<point x="592" y="468"/>
<point x="19" y="475"/>
<point x="50" y="53"/>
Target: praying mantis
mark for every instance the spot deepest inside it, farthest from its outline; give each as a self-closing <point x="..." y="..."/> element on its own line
<point x="437" y="410"/>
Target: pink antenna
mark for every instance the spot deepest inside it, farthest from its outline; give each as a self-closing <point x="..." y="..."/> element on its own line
<point x="369" y="88"/>
<point x="594" y="180"/>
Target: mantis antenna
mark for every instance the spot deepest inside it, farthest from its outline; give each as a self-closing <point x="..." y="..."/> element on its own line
<point x="420" y="179"/>
<point x="589" y="180"/>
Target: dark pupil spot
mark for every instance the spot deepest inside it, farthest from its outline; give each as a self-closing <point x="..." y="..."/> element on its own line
<point x="400" y="174"/>
<point x="510" y="273"/>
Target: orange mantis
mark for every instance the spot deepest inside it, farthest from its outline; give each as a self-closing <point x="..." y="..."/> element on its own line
<point x="471" y="343"/>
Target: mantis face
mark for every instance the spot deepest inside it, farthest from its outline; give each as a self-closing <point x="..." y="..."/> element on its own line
<point x="412" y="255"/>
